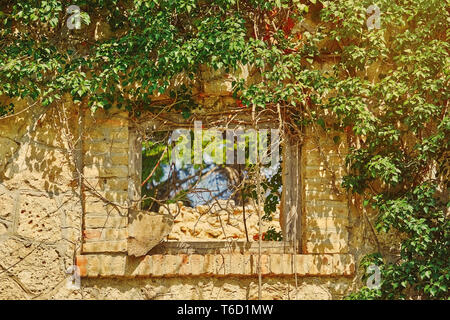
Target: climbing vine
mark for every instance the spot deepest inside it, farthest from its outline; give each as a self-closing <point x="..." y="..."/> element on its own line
<point x="387" y="88"/>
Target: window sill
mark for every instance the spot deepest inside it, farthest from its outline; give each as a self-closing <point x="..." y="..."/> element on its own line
<point x="215" y="264"/>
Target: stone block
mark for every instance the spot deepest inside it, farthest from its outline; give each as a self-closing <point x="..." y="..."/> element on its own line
<point x="146" y="230"/>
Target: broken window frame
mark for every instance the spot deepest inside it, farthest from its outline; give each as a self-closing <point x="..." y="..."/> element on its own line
<point x="291" y="210"/>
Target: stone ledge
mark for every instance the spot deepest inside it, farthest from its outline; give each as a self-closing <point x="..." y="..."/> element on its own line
<point x="234" y="264"/>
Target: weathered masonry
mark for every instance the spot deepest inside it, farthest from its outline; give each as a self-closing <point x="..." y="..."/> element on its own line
<point x="69" y="180"/>
<point x="312" y="199"/>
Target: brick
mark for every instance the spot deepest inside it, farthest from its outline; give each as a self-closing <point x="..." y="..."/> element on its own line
<point x="326" y="247"/>
<point x="96" y="133"/>
<point x="112" y="265"/>
<point x="197" y="264"/>
<point x="287" y="263"/>
<point x="115" y="234"/>
<point x="221" y="264"/>
<point x="265" y="263"/>
<point x="81" y="262"/>
<point x="209" y="264"/>
<point x="326" y="264"/>
<point x="104" y="147"/>
<point x="121" y="134"/>
<point x="93" y="266"/>
<point x="276" y="265"/>
<point x="327" y="224"/>
<point x="303" y="263"/>
<point x="115" y="122"/>
<point x="323" y="185"/>
<point x="158" y="265"/>
<point x="314" y="158"/>
<point x="104" y="121"/>
<point x="91" y="234"/>
<point x="326" y="235"/>
<point x="217" y="87"/>
<point x="349" y="264"/>
<point x="249" y="264"/>
<point x="237" y="264"/>
<point x="320" y="171"/>
<point x="105" y="246"/>
<point x="314" y="262"/>
<point x="326" y="209"/>
<point x="325" y="195"/>
<point x="97" y="160"/>
<point x="106" y="234"/>
<point x="119" y="197"/>
<point x="107" y="143"/>
<point x="326" y="145"/>
<point x="301" y="266"/>
<point x="106" y="159"/>
<point x="104" y="265"/>
<point x="172" y="264"/>
<point x="97" y="207"/>
<point x="119" y="171"/>
<point x="92" y="222"/>
<point x="338" y="264"/>
<point x="186" y="266"/>
<point x="281" y="264"/>
<point x="119" y="158"/>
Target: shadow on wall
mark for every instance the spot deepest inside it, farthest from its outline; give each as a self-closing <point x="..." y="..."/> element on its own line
<point x="37" y="148"/>
<point x="38" y="185"/>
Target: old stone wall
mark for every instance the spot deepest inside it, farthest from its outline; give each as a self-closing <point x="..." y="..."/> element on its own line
<point x="52" y="218"/>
